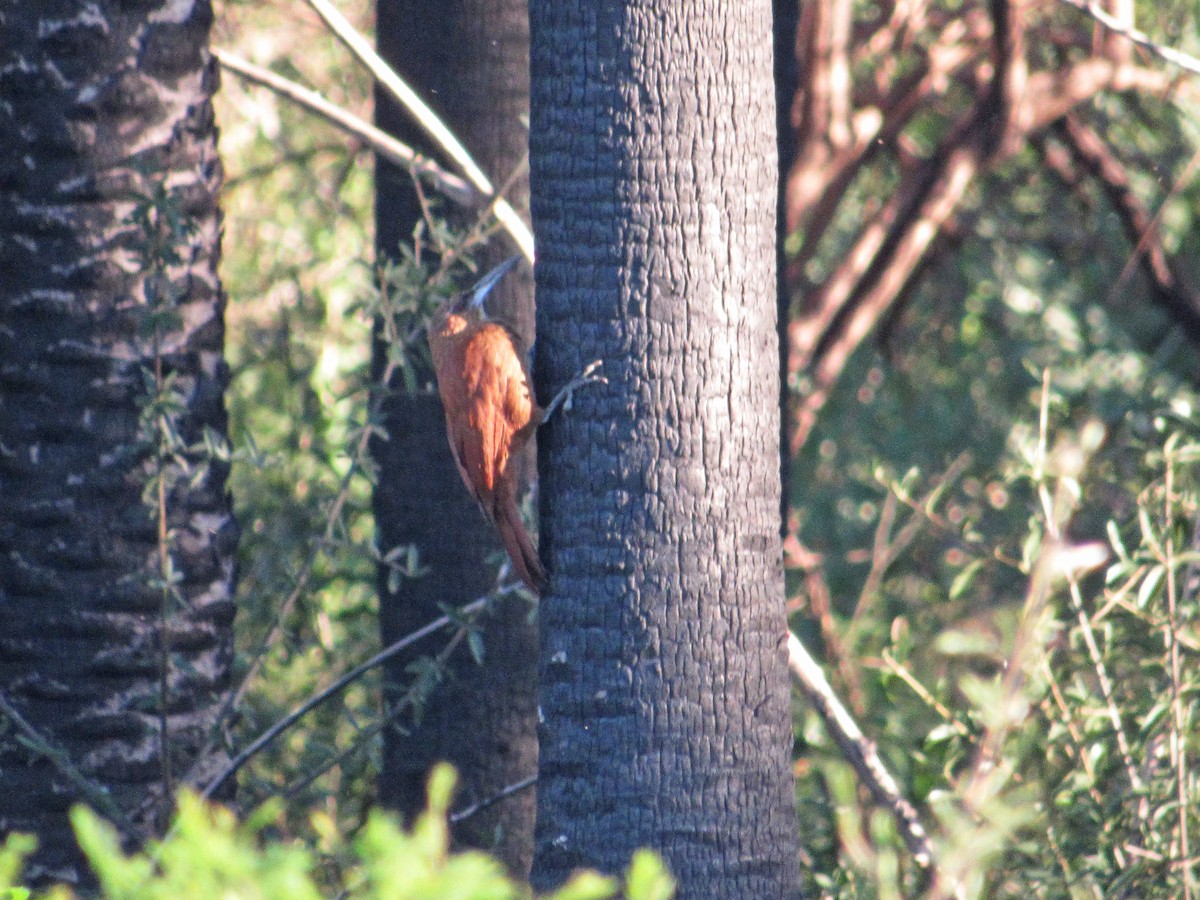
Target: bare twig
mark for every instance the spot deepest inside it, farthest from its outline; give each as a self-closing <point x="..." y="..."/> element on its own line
<point x="821" y="607"/>
<point x="858" y="751"/>
<point x="458" y="190"/>
<point x="877" y="265"/>
<point x="503" y="794"/>
<point x="426" y="118"/>
<point x="366" y="734"/>
<point x="350" y="677"/>
<point x="1168" y="286"/>
<point x="887" y="549"/>
<point x="1115" y="25"/>
<point x="893" y="665"/>
<point x="92" y="791"/>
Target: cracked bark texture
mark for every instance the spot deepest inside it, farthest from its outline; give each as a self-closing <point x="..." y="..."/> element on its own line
<point x="470" y="60"/>
<point x="666" y="715"/>
<point x="96" y="100"/>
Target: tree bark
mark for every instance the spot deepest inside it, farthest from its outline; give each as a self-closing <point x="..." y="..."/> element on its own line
<point x="469" y="58"/>
<point x="117" y="535"/>
<point x="666" y="715"/>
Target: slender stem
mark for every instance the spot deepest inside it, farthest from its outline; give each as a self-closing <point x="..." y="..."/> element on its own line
<point x="503" y="794"/>
<point x="349" y="678"/>
<point x="426" y="118"/>
<point x="1115" y="25"/>
<point x="1178" y="747"/>
<point x="859" y="752"/>
<point x="458" y="190"/>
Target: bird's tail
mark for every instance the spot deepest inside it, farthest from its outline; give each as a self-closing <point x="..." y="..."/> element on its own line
<point x="519" y="545"/>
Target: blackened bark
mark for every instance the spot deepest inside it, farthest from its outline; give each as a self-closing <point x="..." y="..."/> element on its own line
<point x="101" y="103"/>
<point x="663" y="689"/>
<point x="784" y="25"/>
<point x="469" y="59"/>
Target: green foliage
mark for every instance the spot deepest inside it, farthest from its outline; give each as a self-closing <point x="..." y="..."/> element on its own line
<point x="210" y="854"/>
<point x="923" y="492"/>
<point x="296" y="261"/>
<point x="933" y="489"/>
<point x="922" y="489"/>
<point x="12" y="854"/>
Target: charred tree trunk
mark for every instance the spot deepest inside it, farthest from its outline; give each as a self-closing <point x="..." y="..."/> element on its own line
<point x="117" y="536"/>
<point x="663" y="686"/>
<point x="470" y="60"/>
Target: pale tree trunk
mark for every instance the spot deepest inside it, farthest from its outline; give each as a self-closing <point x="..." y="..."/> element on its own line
<point x="663" y="690"/>
<point x="116" y="533"/>
<point x="470" y="59"/>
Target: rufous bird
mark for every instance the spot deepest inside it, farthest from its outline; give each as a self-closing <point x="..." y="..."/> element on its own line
<point x="483" y="378"/>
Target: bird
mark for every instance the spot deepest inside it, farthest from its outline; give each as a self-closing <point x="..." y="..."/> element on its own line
<point x="482" y="373"/>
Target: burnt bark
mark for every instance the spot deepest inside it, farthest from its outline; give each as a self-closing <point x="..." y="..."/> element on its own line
<point x="113" y="660"/>
<point x="469" y="59"/>
<point x="666" y="716"/>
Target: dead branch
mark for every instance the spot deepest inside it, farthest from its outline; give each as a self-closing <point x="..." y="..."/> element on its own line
<point x="858" y="751"/>
<point x="1167" y="284"/>
<point x="980" y="55"/>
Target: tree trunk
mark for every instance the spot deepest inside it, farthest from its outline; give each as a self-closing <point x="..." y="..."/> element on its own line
<point x="117" y="536"/>
<point x="469" y="58"/>
<point x="666" y="717"/>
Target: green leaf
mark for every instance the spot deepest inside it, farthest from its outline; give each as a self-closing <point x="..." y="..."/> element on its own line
<point x="475" y="645"/>
<point x="587" y="886"/>
<point x="1114" y="538"/>
<point x="648" y="878"/>
<point x="1149" y="585"/>
<point x="959" y="642"/>
<point x="1148" y="535"/>
<point x="963" y="579"/>
<point x="16" y="847"/>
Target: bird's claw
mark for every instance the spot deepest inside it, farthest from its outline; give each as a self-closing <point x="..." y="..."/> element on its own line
<point x="566" y="396"/>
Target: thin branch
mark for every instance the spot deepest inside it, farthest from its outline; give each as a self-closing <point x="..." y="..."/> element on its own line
<point x="350" y="677"/>
<point x="818" y="178"/>
<point x="841" y="83"/>
<point x="455" y="188"/>
<point x="1116" y="26"/>
<point x="426" y="118"/>
<point x="368" y="733"/>
<point x="876" y="269"/>
<point x="893" y="665"/>
<point x="858" y="751"/>
<point x="821" y="607"/>
<point x="92" y="791"/>
<point x="878" y="265"/>
<point x="503" y="794"/>
<point x="1178" y="737"/>
<point x="1051" y="95"/>
<point x="1012" y="72"/>
<point x="1169" y="288"/>
<point x="888" y="549"/>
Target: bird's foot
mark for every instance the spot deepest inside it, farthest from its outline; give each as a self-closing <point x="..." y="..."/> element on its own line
<point x="564" y="397"/>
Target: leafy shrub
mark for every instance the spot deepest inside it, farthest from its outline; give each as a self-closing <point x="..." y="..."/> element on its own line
<point x="208" y="853"/>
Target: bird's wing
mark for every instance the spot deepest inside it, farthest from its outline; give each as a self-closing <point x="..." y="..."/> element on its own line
<point x="499" y="403"/>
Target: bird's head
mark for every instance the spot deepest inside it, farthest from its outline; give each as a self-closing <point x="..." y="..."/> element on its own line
<point x="468" y="305"/>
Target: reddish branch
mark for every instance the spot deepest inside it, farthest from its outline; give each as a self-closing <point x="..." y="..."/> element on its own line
<point x="1168" y="285"/>
<point x="971" y="71"/>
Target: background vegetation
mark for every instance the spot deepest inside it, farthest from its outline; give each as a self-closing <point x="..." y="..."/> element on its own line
<point x="1028" y="401"/>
